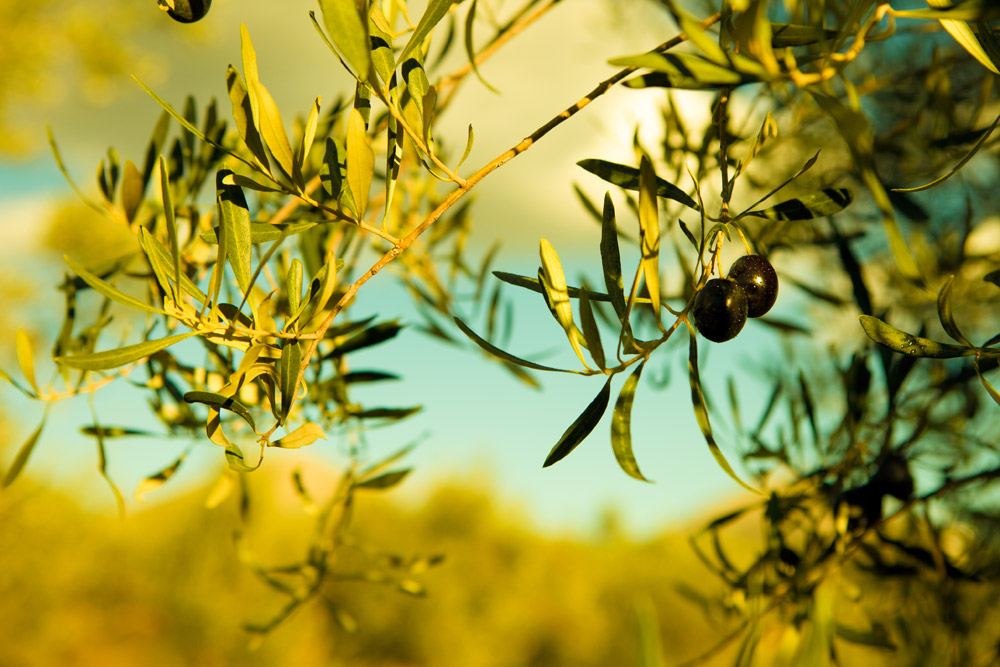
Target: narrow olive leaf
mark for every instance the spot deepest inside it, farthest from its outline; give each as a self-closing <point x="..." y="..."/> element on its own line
<point x="102" y="460"/>
<point x="969" y="10"/>
<point x="234" y="215"/>
<point x="384" y="481"/>
<point x="160" y="269"/>
<point x="261" y="232"/>
<point x="501" y="354"/>
<point x="308" y="135"/>
<point x="994" y="394"/>
<point x="790" y="34"/>
<point x="963" y="34"/>
<point x="132" y="187"/>
<point x="26" y="358"/>
<point x="243" y="115"/>
<point x="360" y="162"/>
<point x="102" y="361"/>
<point x="535" y="285"/>
<point x="701" y="415"/>
<point x="221" y="402"/>
<point x="156" y="480"/>
<point x="957" y="167"/>
<point x="628" y="178"/>
<point x="590" y="331"/>
<point x="582" y="427"/>
<point x="946" y="315"/>
<point x="107" y="290"/>
<point x="304" y="435"/>
<point x="828" y="201"/>
<point x="436" y="9"/>
<point x="330" y="175"/>
<point x="621" y="426"/>
<point x="611" y="258"/>
<point x="915" y="346"/>
<point x="293" y="285"/>
<point x="468" y="146"/>
<point x="171" y="222"/>
<point x="349" y="33"/>
<point x="24" y="453"/>
<point x="649" y="231"/>
<point x="381" y="44"/>
<point x="384" y="413"/>
<point x="682" y="70"/>
<point x="288" y="375"/>
<point x="556" y="295"/>
<point x="272" y="130"/>
<point x="470" y="50"/>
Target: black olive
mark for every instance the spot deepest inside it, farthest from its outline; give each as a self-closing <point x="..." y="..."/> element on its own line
<point x="186" y="11"/>
<point x="757" y="278"/>
<point x="720" y="310"/>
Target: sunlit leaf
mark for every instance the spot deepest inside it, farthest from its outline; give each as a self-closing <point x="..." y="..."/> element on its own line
<point x="26" y="358"/>
<point x="628" y="178"/>
<point x="304" y="435"/>
<point x="234" y="215"/>
<point x="381" y="44"/>
<point x="649" y="232"/>
<point x="701" y="415"/>
<point x="349" y="33"/>
<point x="132" y="187"/>
<point x="621" y="426"/>
<point x="23" y="454"/>
<point x="293" y="285"/>
<point x="582" y="427"/>
<point x="156" y="480"/>
<point x="556" y="295"/>
<point x="682" y="70"/>
<point x="436" y="9"/>
<point x="171" y="222"/>
<point x="102" y="361"/>
<point x="107" y="290"/>
<point x="272" y="130"/>
<point x="900" y="341"/>
<point x="470" y="50"/>
<point x="969" y="10"/>
<point x="360" y="162"/>
<point x="243" y="115"/>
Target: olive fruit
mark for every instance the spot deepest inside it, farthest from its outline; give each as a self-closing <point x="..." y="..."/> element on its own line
<point x="186" y="11"/>
<point x="720" y="310"/>
<point x="757" y="278"/>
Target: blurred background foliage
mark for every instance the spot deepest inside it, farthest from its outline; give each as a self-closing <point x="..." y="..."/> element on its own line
<point x="844" y="563"/>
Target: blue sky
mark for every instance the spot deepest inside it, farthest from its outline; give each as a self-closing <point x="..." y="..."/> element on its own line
<point x="477" y="421"/>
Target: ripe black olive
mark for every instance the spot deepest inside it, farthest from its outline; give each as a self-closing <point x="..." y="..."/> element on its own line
<point x="720" y="310"/>
<point x="186" y="11"/>
<point x="757" y="278"/>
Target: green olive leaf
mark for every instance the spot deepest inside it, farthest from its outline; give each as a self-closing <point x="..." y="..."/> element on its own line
<point x="107" y="290"/>
<point x="436" y="9"/>
<point x="158" y="479"/>
<point x="360" y="162"/>
<point x="102" y="361"/>
<point x="701" y="415"/>
<point x="591" y="333"/>
<point x="25" y="358"/>
<point x="243" y="115"/>
<point x="293" y="285"/>
<point x="628" y="178"/>
<point x="611" y="258"/>
<point x="621" y="426"/>
<point x="915" y="346"/>
<point x="222" y="402"/>
<point x="132" y="189"/>
<point x="24" y="453"/>
<point x="349" y="33"/>
<point x="384" y="481"/>
<point x="501" y="354"/>
<point x="946" y="315"/>
<point x="553" y="281"/>
<point x="304" y="435"/>
<point x="288" y="375"/>
<point x="234" y="215"/>
<point x="649" y="232"/>
<point x="582" y="427"/>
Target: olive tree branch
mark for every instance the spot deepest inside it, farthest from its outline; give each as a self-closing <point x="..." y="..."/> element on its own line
<point x="470" y="183"/>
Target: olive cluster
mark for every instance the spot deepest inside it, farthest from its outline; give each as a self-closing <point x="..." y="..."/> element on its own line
<point x="722" y="306"/>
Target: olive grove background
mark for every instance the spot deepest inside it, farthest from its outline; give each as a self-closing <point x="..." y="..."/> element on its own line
<point x="292" y="345"/>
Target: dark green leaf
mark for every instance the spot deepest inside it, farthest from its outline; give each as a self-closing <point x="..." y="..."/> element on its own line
<point x="590" y="331"/>
<point x="234" y="214"/>
<point x="384" y="481"/>
<point x="23" y="454"/>
<point x="628" y="178"/>
<point x="262" y="232"/>
<point x="946" y="315"/>
<point x="107" y="290"/>
<point x="611" y="258"/>
<point x="288" y="375"/>
<point x="582" y="427"/>
<point x="132" y="188"/>
<point x="436" y="9"/>
<point x="379" y="333"/>
<point x="915" y="346"/>
<point x="621" y="426"/>
<point x="220" y="402"/>
<point x="701" y="414"/>
<point x="501" y="354"/>
<point x="828" y="201"/>
<point x="682" y="70"/>
<point x="156" y="480"/>
<point x="649" y="232"/>
<point x="384" y="413"/>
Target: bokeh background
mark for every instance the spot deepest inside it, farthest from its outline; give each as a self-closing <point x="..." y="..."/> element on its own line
<point x="574" y="564"/>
